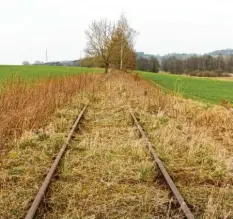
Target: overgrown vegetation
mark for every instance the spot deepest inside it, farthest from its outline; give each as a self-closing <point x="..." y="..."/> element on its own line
<point x="107" y="171"/>
<point x="26" y="106"/>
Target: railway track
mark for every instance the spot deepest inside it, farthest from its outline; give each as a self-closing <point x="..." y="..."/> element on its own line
<point x="32" y="211"/>
<point x="163" y="170"/>
<point x="42" y="191"/>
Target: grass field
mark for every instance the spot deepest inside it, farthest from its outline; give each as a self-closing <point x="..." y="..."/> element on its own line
<point x="34" y="72"/>
<point x="204" y="89"/>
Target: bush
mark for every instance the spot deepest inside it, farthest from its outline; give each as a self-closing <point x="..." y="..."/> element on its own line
<point x="226" y="75"/>
<point x="219" y="72"/>
<point x="203" y="74"/>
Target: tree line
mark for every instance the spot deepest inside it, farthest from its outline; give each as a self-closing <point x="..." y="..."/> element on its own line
<point x="205" y="65"/>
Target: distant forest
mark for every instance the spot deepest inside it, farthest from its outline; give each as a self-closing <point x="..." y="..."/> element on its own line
<point x="206" y="65"/>
<point x="213" y="64"/>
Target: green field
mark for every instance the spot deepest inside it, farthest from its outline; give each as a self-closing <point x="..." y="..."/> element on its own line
<point x="34" y="72"/>
<point x="204" y="89"/>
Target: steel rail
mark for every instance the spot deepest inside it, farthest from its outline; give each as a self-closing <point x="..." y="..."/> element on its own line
<point x="163" y="170"/>
<point x="32" y="211"/>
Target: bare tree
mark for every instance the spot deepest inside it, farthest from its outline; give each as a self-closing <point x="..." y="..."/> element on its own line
<point x="100" y="41"/>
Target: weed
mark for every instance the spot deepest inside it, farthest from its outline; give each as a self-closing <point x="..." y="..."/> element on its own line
<point x="43" y="136"/>
<point x="163" y="120"/>
<point x="143" y="173"/>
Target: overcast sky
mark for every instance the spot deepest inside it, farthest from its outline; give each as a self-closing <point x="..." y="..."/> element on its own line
<point x="28" y="27"/>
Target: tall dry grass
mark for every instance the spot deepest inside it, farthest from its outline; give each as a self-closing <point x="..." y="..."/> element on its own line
<point x="215" y="119"/>
<point x="25" y="106"/>
<point x="194" y="140"/>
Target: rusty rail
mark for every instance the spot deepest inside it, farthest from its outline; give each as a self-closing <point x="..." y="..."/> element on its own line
<point x="163" y="170"/>
<point x="45" y="184"/>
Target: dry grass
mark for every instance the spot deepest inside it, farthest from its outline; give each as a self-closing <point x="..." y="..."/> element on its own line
<point x="26" y="159"/>
<point x="226" y="78"/>
<point x="107" y="171"/>
<point x="195" y="142"/>
<point x="26" y="106"/>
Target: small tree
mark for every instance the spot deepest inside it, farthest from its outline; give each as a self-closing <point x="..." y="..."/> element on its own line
<point x="126" y="36"/>
<point x="154" y="63"/>
<point x="38" y="63"/>
<point x="101" y="41"/>
<point x="230" y="64"/>
<point x="26" y="63"/>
